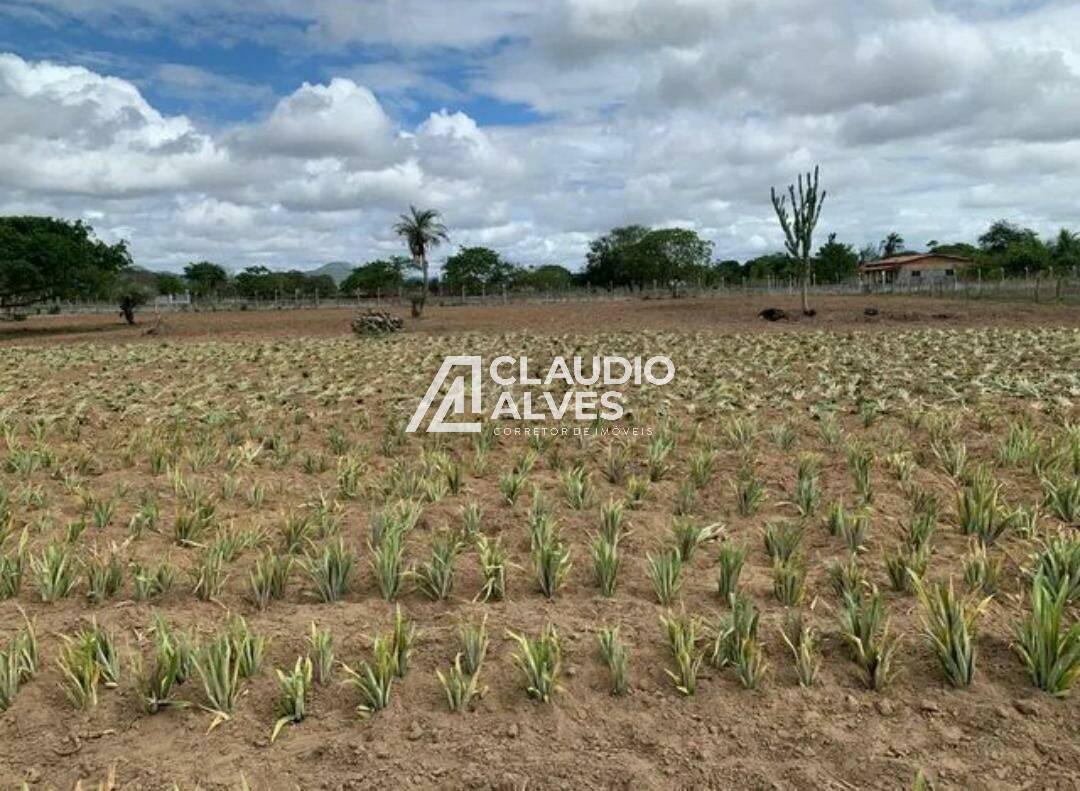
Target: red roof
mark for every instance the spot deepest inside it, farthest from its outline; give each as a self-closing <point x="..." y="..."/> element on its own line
<point x="897" y="261"/>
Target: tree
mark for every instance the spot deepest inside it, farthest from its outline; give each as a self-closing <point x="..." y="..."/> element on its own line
<point x="1065" y="251"/>
<point x="670" y="256"/>
<point x="609" y="259"/>
<point x="475" y="269"/>
<point x="728" y="270"/>
<point x="1027" y="255"/>
<point x="129" y="294"/>
<point x="549" y="277"/>
<point x="891" y="245"/>
<point x="836" y="261"/>
<point x="205" y="278"/>
<point x="257" y="282"/>
<point x="776" y="265"/>
<point x="962" y="249"/>
<point x="422" y="231"/>
<point x="1003" y="233"/>
<point x="374" y="277"/>
<point x="798" y="226"/>
<point x="47" y="258"/>
<point x="168" y="284"/>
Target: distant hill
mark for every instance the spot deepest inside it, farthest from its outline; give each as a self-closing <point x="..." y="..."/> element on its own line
<point x="339" y="270"/>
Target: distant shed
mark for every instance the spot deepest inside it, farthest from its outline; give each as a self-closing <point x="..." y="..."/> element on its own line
<point x="912" y="269"/>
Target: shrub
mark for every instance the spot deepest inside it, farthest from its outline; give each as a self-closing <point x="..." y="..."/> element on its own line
<point x="80" y="673"/>
<point x="493" y="566"/>
<point x="402" y="641"/>
<point x="331" y="571"/>
<point x="855" y="531"/>
<point x="219" y="670"/>
<point x="836" y="519"/>
<point x="606" y="562"/>
<point x="616" y="462"/>
<point x="802" y="641"/>
<point x="614" y="655"/>
<point x="749" y="663"/>
<point x="577" y="487"/>
<point x="905" y="567"/>
<point x="682" y="642"/>
<point x="294" y="692"/>
<point x="156" y="685"/>
<point x="436" y="578"/>
<point x="104" y="576"/>
<point x="729" y="569"/>
<point x="322" y="646"/>
<point x="1061" y="497"/>
<point x="473" y="639"/>
<point x="782" y="539"/>
<point x="540" y="661"/>
<point x="1058" y="562"/>
<point x="210" y="575"/>
<point x="979" y="510"/>
<point x="248" y="648"/>
<point x="846" y="577"/>
<point x="949" y="626"/>
<point x="738" y="625"/>
<point x="459" y="686"/>
<point x="551" y="562"/>
<point x="611" y="518"/>
<point x="807" y="495"/>
<point x="636" y="491"/>
<point x="689" y="535"/>
<point x="510" y="486"/>
<point x="789" y="580"/>
<point x="55" y="572"/>
<point x="388" y="563"/>
<point x="981" y="573"/>
<point x="865" y="628"/>
<point x="861" y="463"/>
<point x="1050" y="650"/>
<point x="749" y="492"/>
<point x="471" y="516"/>
<point x="665" y="573"/>
<point x="657" y="451"/>
<point x="270" y="577"/>
<point x="150" y="583"/>
<point x="374" y="680"/>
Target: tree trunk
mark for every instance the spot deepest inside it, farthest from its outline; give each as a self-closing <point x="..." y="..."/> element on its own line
<point x="418" y="304"/>
<point x="805" y="292"/>
<point x="127" y="310"/>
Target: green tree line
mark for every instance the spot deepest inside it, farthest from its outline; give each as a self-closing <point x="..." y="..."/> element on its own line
<point x="45" y="258"/>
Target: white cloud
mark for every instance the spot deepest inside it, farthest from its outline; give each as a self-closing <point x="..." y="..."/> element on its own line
<point x="928" y="118"/>
<point x="339" y="119"/>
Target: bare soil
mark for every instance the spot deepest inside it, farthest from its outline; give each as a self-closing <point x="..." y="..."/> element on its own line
<point x="729" y="313"/>
<point x="1000" y="733"/>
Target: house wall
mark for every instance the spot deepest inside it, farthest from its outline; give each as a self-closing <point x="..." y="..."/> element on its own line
<point x="931" y="269"/>
<point x="928" y="270"/>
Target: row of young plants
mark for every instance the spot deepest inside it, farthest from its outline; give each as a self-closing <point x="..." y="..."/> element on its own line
<point x="92" y="658"/>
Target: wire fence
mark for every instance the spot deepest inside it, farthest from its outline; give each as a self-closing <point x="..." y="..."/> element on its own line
<point x="1063" y="288"/>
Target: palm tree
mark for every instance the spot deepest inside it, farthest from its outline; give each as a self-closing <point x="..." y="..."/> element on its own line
<point x="891" y="245"/>
<point x="422" y="230"/>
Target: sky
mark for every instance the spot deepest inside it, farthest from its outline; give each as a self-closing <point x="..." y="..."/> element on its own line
<point x="289" y="133"/>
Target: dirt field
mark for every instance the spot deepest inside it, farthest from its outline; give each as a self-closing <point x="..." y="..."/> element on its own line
<point x="260" y="413"/>
<point x="721" y="314"/>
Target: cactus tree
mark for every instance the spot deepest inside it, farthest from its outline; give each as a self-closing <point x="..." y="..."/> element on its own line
<point x="798" y="224"/>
